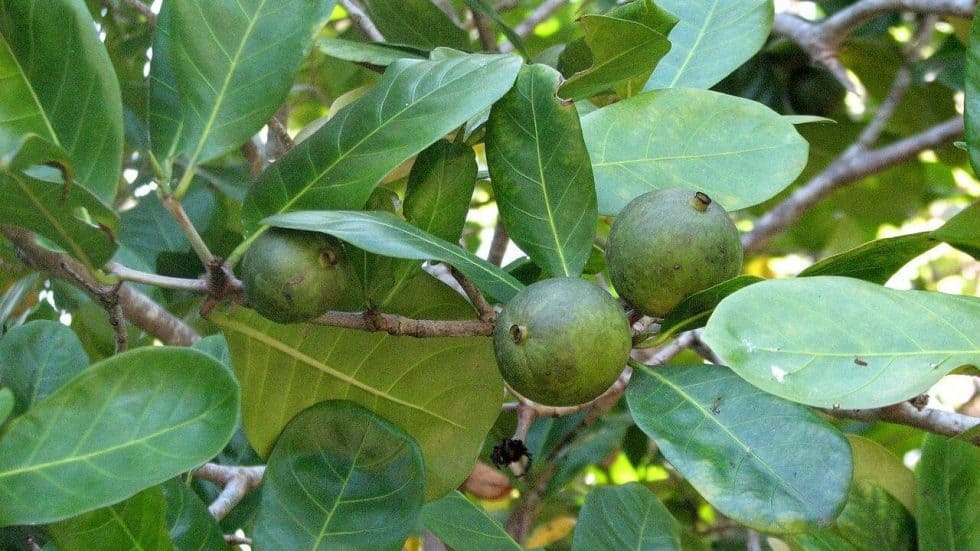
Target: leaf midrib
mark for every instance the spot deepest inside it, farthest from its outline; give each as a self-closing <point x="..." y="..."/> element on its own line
<point x="37" y="102"/>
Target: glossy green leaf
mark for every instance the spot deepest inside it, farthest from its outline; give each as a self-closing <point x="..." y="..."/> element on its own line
<point x="381" y="55"/>
<point x="444" y="392"/>
<point x="440" y="187"/>
<point x="874" y="463"/>
<point x="416" y="23"/>
<point x="625" y="517"/>
<point x="971" y="92"/>
<point x="541" y="174"/>
<point x="947" y="493"/>
<point x="626" y="42"/>
<point x="682" y="138"/>
<point x="712" y="39"/>
<point x="221" y="68"/>
<point x="190" y="525"/>
<point x="122" y="425"/>
<point x="464" y="525"/>
<point x="6" y="404"/>
<point x="340" y="477"/>
<point x="69" y="215"/>
<point x="876" y="261"/>
<point x="693" y="311"/>
<point x="386" y="234"/>
<point x="750" y="454"/>
<point x="416" y="103"/>
<point x="852" y="344"/>
<point x="137" y="523"/>
<point x="69" y="101"/>
<point x="37" y="358"/>
<point x="963" y="230"/>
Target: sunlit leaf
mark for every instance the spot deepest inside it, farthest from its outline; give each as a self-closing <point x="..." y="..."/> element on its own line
<point x="464" y="525"/>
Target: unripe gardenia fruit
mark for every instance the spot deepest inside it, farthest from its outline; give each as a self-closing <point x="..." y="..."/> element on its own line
<point x="562" y="341"/>
<point x="668" y="244"/>
<point x="293" y="276"/>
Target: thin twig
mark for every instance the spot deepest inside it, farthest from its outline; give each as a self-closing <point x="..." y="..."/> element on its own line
<point x="126" y="273"/>
<point x="483" y="307"/>
<point x="498" y="245"/>
<point x="526" y="27"/>
<point x="484" y="28"/>
<point x="392" y="324"/>
<point x="362" y="20"/>
<point x="106" y="295"/>
<point x="235" y="539"/>
<point x="235" y="481"/>
<point x="936" y="421"/>
<point x="176" y="209"/>
<point x="278" y="131"/>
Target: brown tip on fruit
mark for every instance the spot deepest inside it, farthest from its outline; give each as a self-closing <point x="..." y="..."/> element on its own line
<point x="701" y="201"/>
<point x="328" y="258"/>
<point x="518" y="333"/>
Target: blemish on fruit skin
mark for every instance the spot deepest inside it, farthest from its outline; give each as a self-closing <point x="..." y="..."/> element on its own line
<point x="778" y="373"/>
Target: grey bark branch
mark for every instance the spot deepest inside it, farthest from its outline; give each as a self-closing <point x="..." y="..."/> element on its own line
<point x="362" y="20"/>
<point x="932" y="420"/>
<point x="235" y="481"/>
<point x="136" y="307"/>
<point x="401" y="326"/>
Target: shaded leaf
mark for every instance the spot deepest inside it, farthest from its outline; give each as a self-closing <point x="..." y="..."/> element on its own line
<point x="876" y="261"/>
<point x="122" y="425"/>
<point x="69" y="102"/>
<point x="417" y="23"/>
<point x="947" y="493"/>
<point x="385" y="234"/>
<point x="190" y="525"/>
<point x="444" y="392"/>
<point x="37" y="358"/>
<point x="440" y="187"/>
<point x="6" y="404"/>
<point x="748" y="453"/>
<point x="693" y="311"/>
<point x="416" y="103"/>
<point x="464" y="525"/>
<point x="626" y="42"/>
<point x="874" y="463"/>
<point x="712" y="39"/>
<point x="220" y="70"/>
<point x="625" y="517"/>
<point x="340" y="477"/>
<point x="136" y="523"/>
<point x="682" y="138"/>
<point x="852" y="344"/>
<point x="381" y="55"/>
<point x="963" y="230"/>
<point x="541" y="174"/>
<point x="971" y="114"/>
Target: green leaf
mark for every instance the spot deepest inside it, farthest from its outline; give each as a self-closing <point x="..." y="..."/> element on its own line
<point x="963" y="230"/>
<point x="489" y="11"/>
<point x="71" y="102"/>
<point x="625" y="517"/>
<point x="464" y="525"/>
<point x="416" y="23"/>
<point x="626" y="42"/>
<point x="851" y="344"/>
<point x="947" y="493"/>
<point x="750" y="454"/>
<point x="693" y="311"/>
<point x="541" y="174"/>
<point x="385" y="234"/>
<point x="873" y="463"/>
<point x="190" y="525"/>
<point x="221" y="68"/>
<point x="971" y="92"/>
<point x="876" y="261"/>
<point x="122" y="425"/>
<point x="340" y="477"/>
<point x="440" y="187"/>
<point x="682" y="138"/>
<point x="6" y="404"/>
<point x="69" y="215"/>
<point x="134" y="524"/>
<point x="416" y="103"/>
<point x="444" y="392"/>
<point x="712" y="39"/>
<point x="381" y="55"/>
<point x="37" y="358"/>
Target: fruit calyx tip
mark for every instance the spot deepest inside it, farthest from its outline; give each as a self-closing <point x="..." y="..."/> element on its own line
<point x="701" y="201"/>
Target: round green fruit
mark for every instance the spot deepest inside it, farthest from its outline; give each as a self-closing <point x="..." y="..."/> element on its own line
<point x="668" y="244"/>
<point x="292" y="276"/>
<point x="562" y="341"/>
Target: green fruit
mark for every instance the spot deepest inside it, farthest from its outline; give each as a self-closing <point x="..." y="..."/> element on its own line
<point x="291" y="275"/>
<point x="562" y="341"/>
<point x="668" y="244"/>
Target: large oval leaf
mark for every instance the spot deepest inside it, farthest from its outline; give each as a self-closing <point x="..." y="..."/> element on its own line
<point x="386" y="234"/>
<point x="625" y="517"/>
<point x="37" y="358"/>
<point x="464" y="525"/>
<point x="444" y="392"/>
<point x="340" y="477"/>
<point x="947" y="493"/>
<point x="541" y="174"/>
<point x="63" y="89"/>
<point x="851" y="344"/>
<point x="134" y="524"/>
<point x="750" y="454"/>
<point x="416" y="103"/>
<point x="122" y="425"/>
<point x="221" y="68"/>
<point x="712" y="39"/>
<point x="682" y="138"/>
